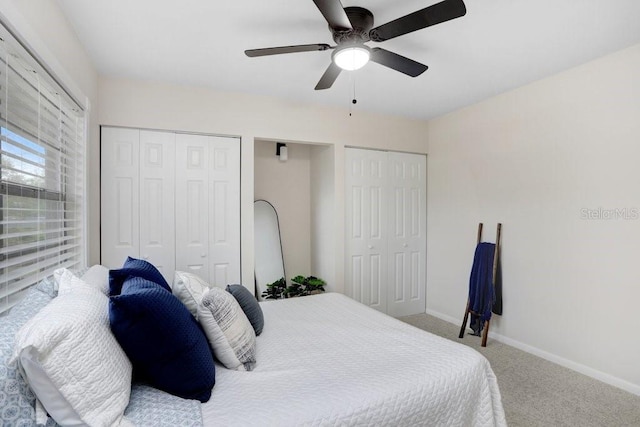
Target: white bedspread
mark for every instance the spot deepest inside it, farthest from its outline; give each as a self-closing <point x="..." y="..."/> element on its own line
<point x="328" y="360"/>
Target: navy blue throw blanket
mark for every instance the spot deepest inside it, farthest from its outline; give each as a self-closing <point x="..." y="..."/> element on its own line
<point x="481" y="287"/>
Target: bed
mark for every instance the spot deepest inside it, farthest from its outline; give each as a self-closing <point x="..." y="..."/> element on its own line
<point x="320" y="360"/>
<point x="328" y="360"/>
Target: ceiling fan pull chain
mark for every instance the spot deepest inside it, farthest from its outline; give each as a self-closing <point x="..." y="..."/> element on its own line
<point x="354" y="101"/>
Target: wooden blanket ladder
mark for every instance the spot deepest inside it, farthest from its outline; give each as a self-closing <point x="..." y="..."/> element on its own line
<point x="485" y="331"/>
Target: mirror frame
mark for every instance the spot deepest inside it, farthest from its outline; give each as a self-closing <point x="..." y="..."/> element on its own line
<point x="257" y="291"/>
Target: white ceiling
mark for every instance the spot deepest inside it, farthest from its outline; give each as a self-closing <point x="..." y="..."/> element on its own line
<point x="497" y="46"/>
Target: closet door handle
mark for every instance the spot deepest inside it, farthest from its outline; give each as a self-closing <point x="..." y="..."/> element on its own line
<point x="370" y="246"/>
<point x="405" y="245"/>
<point x="203" y="255"/>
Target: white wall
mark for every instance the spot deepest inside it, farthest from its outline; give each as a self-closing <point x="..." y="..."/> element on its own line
<point x="323" y="214"/>
<point x="46" y="30"/>
<point x="286" y="185"/>
<point x="534" y="159"/>
<point x="147" y="104"/>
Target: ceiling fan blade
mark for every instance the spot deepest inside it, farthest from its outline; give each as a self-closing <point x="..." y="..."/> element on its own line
<point x="397" y="62"/>
<point x="334" y="13"/>
<point x="286" y="49"/>
<point x="432" y="15"/>
<point x="329" y="76"/>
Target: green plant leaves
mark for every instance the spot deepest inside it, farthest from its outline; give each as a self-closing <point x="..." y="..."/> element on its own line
<point x="300" y="286"/>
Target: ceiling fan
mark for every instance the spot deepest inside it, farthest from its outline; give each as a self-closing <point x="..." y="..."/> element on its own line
<point x="351" y="28"/>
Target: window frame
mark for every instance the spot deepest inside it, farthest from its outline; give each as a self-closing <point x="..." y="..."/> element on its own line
<point x="69" y="172"/>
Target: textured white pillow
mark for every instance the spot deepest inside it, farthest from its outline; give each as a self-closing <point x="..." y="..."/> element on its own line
<point x="98" y="277"/>
<point x="72" y="361"/>
<point x="189" y="289"/>
<point x="228" y="330"/>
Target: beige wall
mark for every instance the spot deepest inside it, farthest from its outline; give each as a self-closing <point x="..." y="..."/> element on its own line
<point x="537" y="159"/>
<point x="323" y="215"/>
<point x="286" y="185"/>
<point x="46" y="30"/>
<point x="147" y="104"/>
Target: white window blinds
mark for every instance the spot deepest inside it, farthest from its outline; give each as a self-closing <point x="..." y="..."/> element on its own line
<point x="42" y="139"/>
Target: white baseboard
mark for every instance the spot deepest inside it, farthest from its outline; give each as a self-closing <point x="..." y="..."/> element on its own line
<point x="593" y="373"/>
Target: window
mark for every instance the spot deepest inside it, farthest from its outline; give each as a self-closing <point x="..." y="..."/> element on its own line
<point x="42" y="134"/>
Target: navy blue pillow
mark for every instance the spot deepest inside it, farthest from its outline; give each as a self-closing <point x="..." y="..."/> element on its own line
<point x="137" y="268"/>
<point x="249" y="305"/>
<point x="165" y="344"/>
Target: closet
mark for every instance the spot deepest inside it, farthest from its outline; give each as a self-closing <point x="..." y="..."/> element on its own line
<point x="172" y="199"/>
<point x="385" y="244"/>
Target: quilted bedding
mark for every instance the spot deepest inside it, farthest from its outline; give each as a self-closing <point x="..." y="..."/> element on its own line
<point x="328" y="360"/>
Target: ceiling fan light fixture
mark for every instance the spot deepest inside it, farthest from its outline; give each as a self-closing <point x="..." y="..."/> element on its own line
<point x="351" y="57"/>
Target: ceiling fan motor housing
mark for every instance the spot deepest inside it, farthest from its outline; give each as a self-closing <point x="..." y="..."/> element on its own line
<point x="361" y="21"/>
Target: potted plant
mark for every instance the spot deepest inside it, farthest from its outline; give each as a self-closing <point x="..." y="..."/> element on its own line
<point x="300" y="286"/>
<point x="309" y="285"/>
<point x="275" y="290"/>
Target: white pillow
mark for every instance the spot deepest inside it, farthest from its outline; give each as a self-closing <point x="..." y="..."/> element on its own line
<point x="189" y="289"/>
<point x="72" y="361"/>
<point x="66" y="281"/>
<point x="228" y="330"/>
<point x="98" y="277"/>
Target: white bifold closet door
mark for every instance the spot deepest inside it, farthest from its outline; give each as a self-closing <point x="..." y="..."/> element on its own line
<point x="385" y="245"/>
<point x="172" y="199"/>
<point x="207" y="207"/>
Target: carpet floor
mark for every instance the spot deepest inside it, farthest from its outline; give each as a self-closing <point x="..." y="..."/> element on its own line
<point x="536" y="392"/>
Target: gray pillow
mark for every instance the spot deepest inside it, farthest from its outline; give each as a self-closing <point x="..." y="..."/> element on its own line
<point x="249" y="305"/>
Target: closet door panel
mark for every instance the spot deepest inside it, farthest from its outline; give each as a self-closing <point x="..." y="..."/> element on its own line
<point x="120" y="192"/>
<point x="355" y="242"/>
<point x="157" y="222"/>
<point x="224" y="204"/>
<point x="407" y="240"/>
<point x="376" y="249"/>
<point x="192" y="203"/>
<point x="366" y="249"/>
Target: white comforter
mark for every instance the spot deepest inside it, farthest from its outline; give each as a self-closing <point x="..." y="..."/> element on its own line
<point x="328" y="360"/>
